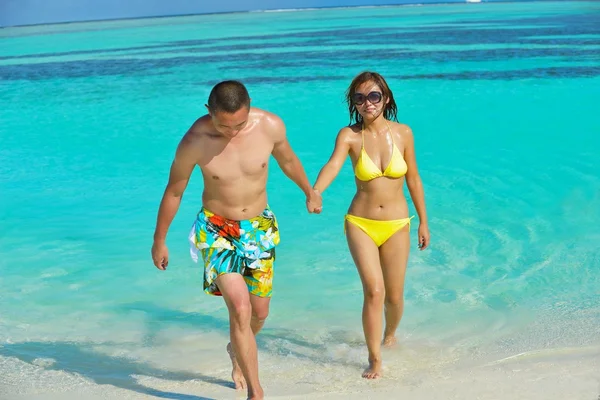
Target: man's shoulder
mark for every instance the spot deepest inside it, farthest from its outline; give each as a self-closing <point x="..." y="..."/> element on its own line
<point x="201" y="125"/>
<point x="192" y="139"/>
<point x="266" y="118"/>
<point x="269" y="122"/>
<point x="199" y="129"/>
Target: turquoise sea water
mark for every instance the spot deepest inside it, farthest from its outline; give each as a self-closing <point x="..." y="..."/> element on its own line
<point x="503" y="102"/>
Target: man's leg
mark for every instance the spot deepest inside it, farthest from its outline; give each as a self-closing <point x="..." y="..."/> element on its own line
<point x="258" y="276"/>
<point x="259" y="286"/>
<point x="235" y="292"/>
<point x="260" y="312"/>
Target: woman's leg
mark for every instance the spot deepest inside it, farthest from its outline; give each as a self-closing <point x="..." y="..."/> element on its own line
<point x="394" y="257"/>
<point x="366" y="257"/>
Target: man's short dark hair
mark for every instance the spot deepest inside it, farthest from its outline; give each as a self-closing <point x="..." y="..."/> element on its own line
<point x="228" y="96"/>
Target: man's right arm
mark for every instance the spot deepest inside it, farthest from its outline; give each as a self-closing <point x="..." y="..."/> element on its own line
<point x="179" y="175"/>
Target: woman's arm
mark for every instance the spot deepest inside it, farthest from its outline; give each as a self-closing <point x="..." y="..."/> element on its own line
<point x="332" y="168"/>
<point x="415" y="186"/>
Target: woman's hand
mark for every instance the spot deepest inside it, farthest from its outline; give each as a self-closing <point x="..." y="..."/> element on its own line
<point x="423" y="236"/>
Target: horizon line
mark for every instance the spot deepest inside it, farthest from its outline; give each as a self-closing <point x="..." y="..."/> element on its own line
<point x="295" y="9"/>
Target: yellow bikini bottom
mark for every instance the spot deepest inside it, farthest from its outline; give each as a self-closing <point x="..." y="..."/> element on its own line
<point x="379" y="231"/>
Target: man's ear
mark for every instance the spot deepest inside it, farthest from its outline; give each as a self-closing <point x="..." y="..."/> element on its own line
<point x="208" y="109"/>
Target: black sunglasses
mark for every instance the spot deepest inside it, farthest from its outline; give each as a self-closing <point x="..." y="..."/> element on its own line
<point x="373" y="97"/>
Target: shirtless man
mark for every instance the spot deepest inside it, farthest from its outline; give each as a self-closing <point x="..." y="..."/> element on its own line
<point x="235" y="230"/>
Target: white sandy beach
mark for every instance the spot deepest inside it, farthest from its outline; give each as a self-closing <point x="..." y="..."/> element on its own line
<point x="569" y="373"/>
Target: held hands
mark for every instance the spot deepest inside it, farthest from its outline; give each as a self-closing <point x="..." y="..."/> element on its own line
<point x="423" y="236"/>
<point x="160" y="255"/>
<point x="314" y="202"/>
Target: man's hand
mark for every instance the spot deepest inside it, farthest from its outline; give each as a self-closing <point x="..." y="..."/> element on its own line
<point x="423" y="236"/>
<point x="314" y="202"/>
<point x="160" y="254"/>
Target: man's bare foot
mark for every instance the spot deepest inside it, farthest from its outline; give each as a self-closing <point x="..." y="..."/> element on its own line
<point x="236" y="373"/>
<point x="256" y="394"/>
<point x="389" y="341"/>
<point x="374" y="370"/>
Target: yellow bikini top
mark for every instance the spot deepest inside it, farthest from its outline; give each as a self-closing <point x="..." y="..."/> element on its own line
<point x="366" y="170"/>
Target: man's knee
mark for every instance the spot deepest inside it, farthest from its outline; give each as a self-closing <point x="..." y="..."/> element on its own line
<point x="260" y="308"/>
<point x="240" y="311"/>
<point x="260" y="314"/>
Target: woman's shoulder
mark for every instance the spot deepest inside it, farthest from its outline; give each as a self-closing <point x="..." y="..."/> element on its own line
<point x="401" y="128"/>
<point x="349" y="132"/>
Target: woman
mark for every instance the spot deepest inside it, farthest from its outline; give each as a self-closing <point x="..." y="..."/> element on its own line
<point x="377" y="223"/>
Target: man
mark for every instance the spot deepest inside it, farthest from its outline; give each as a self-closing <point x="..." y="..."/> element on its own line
<point x="235" y="231"/>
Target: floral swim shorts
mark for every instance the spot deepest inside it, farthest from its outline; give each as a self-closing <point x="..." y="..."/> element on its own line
<point x="245" y="247"/>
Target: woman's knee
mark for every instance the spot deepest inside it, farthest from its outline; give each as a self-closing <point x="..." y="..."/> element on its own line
<point x="394" y="299"/>
<point x="374" y="293"/>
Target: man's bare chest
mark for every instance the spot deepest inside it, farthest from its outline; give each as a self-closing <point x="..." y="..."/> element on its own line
<point x="238" y="160"/>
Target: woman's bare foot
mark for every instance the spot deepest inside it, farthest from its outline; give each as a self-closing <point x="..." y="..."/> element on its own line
<point x="374" y="370"/>
<point x="389" y="341"/>
<point x="236" y="373"/>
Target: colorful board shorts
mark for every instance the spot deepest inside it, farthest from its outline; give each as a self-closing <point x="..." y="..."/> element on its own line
<point x="245" y="247"/>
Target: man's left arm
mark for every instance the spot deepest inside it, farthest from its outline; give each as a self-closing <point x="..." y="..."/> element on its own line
<point x="290" y="163"/>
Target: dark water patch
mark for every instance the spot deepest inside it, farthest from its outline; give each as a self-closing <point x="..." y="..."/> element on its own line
<point x="534" y="73"/>
<point x="565" y="41"/>
<point x="550" y="30"/>
<point x="483" y="54"/>
<point x="423" y="36"/>
<point x="319" y="38"/>
<point x="501" y="54"/>
<point x="83" y="68"/>
<point x="133" y="66"/>
<point x="240" y="47"/>
<point x="514" y="31"/>
<point x="456" y="32"/>
<point x="278" y="65"/>
<point x="267" y="60"/>
<point x="86" y="52"/>
<point x="468" y="36"/>
<point x="251" y="80"/>
<point x="344" y="32"/>
<point x="587" y="19"/>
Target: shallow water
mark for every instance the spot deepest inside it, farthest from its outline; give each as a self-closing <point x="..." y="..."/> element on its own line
<point x="500" y="98"/>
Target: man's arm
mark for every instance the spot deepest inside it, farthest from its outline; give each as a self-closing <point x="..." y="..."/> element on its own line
<point x="179" y="175"/>
<point x="290" y="163"/>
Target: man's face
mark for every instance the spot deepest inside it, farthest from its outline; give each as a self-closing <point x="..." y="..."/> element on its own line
<point x="230" y="124"/>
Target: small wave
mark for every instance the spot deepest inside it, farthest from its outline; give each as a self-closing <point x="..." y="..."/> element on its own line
<point x="548" y="353"/>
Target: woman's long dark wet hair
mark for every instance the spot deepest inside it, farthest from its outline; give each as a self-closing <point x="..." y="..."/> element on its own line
<point x="389" y="112"/>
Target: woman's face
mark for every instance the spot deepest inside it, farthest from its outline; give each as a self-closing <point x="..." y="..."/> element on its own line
<point x="369" y="100"/>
